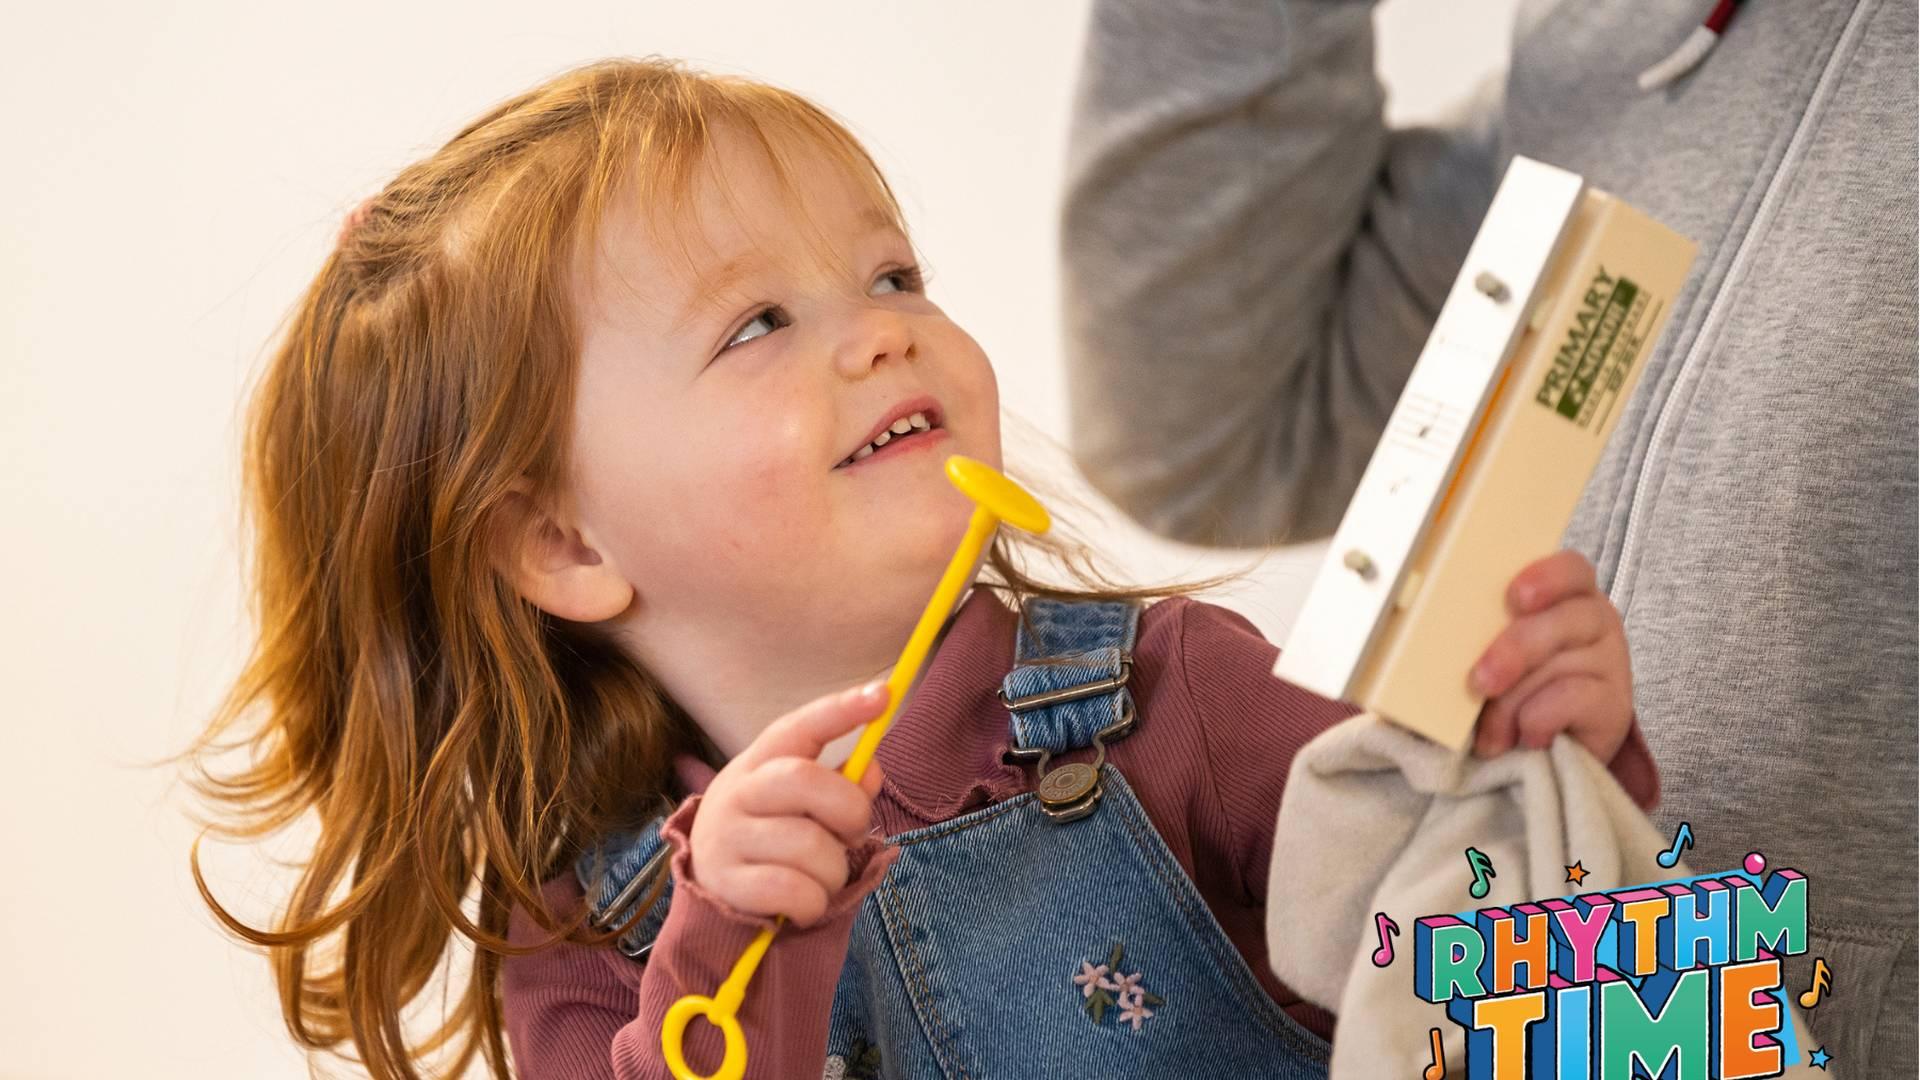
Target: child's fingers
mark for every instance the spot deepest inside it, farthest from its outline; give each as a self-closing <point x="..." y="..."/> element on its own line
<point x="1547" y="581"/>
<point x="807" y="730"/>
<point x="871" y="780"/>
<point x="1498" y="730"/>
<point x="1529" y="640"/>
<point x="798" y="843"/>
<point x="802" y="787"/>
<point x="1560" y="705"/>
<point x="1493" y="732"/>
<point x="763" y="889"/>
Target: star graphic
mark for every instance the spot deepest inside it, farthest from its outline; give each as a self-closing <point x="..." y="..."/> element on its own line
<point x="1577" y="873"/>
<point x="1820" y="1058"/>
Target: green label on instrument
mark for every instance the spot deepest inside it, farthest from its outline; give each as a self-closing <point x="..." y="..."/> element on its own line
<point x="1602" y="344"/>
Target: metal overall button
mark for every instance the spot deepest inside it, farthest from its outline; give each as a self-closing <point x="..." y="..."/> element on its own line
<point x="1068" y="784"/>
<point x="1071" y="791"/>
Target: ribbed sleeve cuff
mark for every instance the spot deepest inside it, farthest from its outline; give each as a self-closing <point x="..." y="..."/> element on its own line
<point x="866" y="865"/>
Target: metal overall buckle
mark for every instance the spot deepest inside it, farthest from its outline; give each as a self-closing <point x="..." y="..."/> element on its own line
<point x="1071" y="791"/>
<point x="643" y="879"/>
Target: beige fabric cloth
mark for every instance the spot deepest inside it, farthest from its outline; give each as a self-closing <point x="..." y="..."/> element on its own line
<point x="1375" y="818"/>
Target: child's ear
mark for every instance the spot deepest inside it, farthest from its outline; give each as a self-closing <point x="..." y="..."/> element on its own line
<point x="549" y="563"/>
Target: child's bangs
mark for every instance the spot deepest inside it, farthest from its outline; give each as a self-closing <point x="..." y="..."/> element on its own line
<point x="665" y="150"/>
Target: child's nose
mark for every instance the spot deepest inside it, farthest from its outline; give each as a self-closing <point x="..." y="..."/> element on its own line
<point x="873" y="336"/>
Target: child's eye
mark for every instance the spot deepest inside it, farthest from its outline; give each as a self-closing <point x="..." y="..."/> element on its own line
<point x="764" y="322"/>
<point x="902" y="279"/>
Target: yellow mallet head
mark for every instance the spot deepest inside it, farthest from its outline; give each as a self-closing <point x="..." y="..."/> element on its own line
<point x="1000" y="496"/>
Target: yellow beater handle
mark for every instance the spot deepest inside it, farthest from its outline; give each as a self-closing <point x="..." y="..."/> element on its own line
<point x="996" y="499"/>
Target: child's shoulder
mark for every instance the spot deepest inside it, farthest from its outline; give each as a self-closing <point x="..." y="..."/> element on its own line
<point x="1186" y="630"/>
<point x="1181" y="612"/>
<point x="1218" y="659"/>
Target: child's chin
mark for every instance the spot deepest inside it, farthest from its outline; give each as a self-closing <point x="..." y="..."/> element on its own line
<point x="914" y="553"/>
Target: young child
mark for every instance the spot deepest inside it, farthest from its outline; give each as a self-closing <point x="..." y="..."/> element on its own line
<point x="600" y="458"/>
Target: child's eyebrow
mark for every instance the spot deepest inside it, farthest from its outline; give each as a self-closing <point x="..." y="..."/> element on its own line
<point x="731" y="272"/>
<point x="706" y="286"/>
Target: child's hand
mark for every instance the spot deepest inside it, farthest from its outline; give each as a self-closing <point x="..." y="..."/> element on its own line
<point x="774" y="826"/>
<point x="1560" y="665"/>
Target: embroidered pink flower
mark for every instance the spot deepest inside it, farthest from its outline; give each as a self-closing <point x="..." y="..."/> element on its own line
<point x="1133" y="1008"/>
<point x="1106" y="986"/>
<point x="1092" y="977"/>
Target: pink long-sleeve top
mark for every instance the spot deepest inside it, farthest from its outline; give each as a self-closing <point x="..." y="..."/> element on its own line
<point x="1207" y="760"/>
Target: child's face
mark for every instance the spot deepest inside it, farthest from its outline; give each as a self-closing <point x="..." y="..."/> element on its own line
<point x="722" y="403"/>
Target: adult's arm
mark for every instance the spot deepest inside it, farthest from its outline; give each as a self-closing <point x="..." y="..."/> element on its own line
<point x="1252" y="259"/>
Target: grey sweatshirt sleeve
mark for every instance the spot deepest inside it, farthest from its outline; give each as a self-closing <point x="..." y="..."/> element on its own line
<point x="1252" y="260"/>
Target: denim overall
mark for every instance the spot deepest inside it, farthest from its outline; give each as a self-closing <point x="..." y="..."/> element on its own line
<point x="1052" y="934"/>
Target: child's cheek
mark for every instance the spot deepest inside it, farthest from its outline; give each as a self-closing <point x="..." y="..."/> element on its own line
<point x="979" y="396"/>
<point x="763" y="476"/>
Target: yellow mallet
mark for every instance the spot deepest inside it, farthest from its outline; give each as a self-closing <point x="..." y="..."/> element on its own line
<point x="996" y="499"/>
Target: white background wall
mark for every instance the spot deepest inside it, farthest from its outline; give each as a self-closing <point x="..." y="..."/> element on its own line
<point x="173" y="175"/>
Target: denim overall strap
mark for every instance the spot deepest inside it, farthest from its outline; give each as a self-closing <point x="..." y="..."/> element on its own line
<point x="1062" y="706"/>
<point x="616" y="874"/>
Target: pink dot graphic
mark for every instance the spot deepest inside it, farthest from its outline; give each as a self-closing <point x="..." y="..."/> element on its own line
<point x="1756" y="863"/>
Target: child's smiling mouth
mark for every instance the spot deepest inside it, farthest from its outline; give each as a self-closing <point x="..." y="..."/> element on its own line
<point x="915" y="422"/>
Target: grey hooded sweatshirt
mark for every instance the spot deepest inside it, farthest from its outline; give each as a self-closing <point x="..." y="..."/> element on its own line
<point x="1253" y="260"/>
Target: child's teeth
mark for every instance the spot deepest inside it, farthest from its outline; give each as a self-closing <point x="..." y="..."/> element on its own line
<point x="912" y="422"/>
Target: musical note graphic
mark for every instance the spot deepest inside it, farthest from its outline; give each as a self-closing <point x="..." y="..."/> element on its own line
<point x="1425" y="424"/>
<point x="1822" y="983"/>
<point x="1438" y="1069"/>
<point x="1482" y="870"/>
<point x="1386" y="928"/>
<point x="1682" y="839"/>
